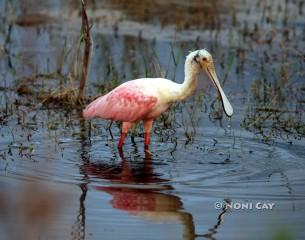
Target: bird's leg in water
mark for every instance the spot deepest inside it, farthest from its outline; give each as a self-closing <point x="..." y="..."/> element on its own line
<point x="125" y="128"/>
<point x="147" y="128"/>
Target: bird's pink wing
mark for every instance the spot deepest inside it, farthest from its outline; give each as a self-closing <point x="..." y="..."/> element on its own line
<point x="127" y="103"/>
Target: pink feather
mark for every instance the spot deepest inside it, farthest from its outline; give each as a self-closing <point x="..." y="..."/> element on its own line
<point x="128" y="103"/>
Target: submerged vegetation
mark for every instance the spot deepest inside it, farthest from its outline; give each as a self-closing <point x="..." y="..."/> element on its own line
<point x="263" y="67"/>
<point x="274" y="113"/>
<point x="50" y="68"/>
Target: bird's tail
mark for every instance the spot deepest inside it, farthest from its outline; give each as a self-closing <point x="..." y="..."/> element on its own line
<point x="89" y="112"/>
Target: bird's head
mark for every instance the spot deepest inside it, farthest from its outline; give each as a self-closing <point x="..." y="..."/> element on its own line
<point x="201" y="60"/>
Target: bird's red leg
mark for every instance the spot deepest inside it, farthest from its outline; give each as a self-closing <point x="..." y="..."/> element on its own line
<point x="146" y="139"/>
<point x="147" y="128"/>
<point x="122" y="138"/>
<point x="125" y="128"/>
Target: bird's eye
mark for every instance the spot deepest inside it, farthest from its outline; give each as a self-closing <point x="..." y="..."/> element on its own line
<point x="204" y="59"/>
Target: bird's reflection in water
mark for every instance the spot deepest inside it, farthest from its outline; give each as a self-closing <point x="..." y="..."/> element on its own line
<point x="138" y="191"/>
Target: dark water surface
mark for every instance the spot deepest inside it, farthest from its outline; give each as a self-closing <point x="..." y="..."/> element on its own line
<point x="63" y="178"/>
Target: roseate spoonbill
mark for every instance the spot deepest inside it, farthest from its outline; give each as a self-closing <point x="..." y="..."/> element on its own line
<point x="146" y="98"/>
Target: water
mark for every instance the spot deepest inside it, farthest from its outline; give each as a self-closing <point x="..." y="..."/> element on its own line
<point x="63" y="177"/>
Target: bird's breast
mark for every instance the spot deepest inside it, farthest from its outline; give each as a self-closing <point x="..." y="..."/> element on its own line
<point x="157" y="111"/>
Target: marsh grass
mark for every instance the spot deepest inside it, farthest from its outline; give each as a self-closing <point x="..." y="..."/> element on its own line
<point x="274" y="110"/>
<point x="64" y="92"/>
<point x="275" y="107"/>
<point x="60" y="87"/>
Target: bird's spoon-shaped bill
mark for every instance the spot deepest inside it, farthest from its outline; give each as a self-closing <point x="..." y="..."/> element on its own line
<point x="225" y="102"/>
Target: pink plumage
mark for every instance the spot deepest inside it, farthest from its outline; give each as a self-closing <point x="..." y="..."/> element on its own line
<point x="128" y="103"/>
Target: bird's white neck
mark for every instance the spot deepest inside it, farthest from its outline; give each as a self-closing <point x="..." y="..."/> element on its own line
<point x="190" y="80"/>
